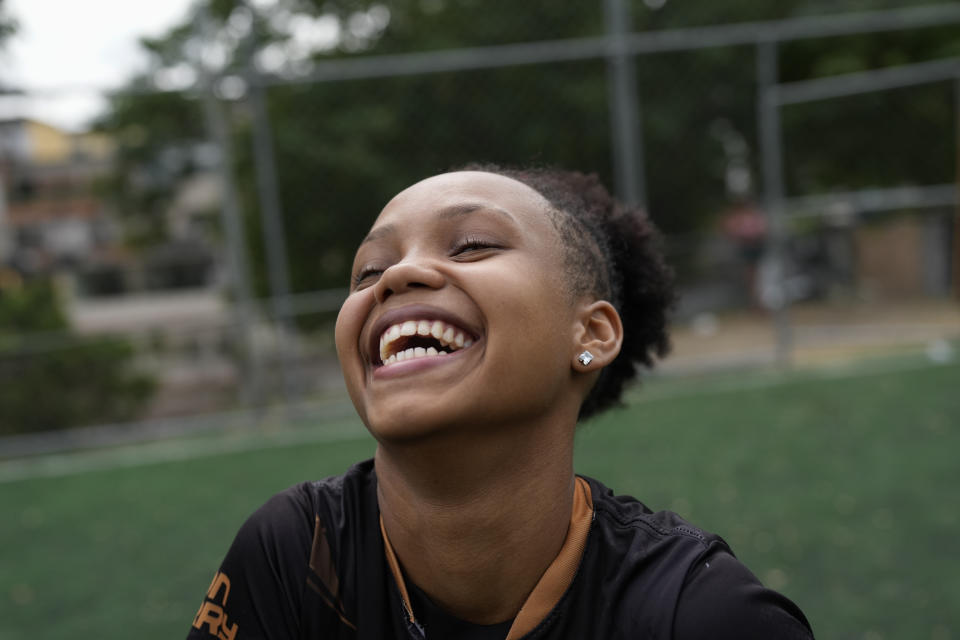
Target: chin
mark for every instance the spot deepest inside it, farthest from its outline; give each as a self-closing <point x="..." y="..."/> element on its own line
<point x="405" y="432"/>
<point x="409" y="420"/>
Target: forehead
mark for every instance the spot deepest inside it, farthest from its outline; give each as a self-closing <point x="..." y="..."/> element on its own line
<point x="475" y="188"/>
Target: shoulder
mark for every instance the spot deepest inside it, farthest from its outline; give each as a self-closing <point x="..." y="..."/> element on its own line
<point x="303" y="501"/>
<point x="645" y="556"/>
<point x="627" y="525"/>
<point x="284" y="527"/>
<point x="666" y="573"/>
<point x="723" y="599"/>
<point x="297" y="508"/>
<point x="281" y="557"/>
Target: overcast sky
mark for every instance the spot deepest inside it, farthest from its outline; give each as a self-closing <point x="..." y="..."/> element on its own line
<point x="77" y="43"/>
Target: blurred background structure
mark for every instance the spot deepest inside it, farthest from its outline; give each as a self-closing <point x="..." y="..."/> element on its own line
<point x="173" y="264"/>
<point x="183" y="252"/>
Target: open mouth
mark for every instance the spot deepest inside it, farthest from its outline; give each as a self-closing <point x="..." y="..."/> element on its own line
<point x="412" y="339"/>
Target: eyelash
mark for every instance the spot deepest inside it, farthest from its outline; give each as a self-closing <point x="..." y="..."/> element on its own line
<point x="365" y="273"/>
<point x="472" y="244"/>
<point x="466" y="245"/>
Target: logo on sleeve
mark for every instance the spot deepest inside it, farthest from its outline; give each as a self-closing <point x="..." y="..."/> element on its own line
<point x="212" y="613"/>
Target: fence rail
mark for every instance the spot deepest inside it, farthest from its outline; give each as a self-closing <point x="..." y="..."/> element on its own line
<point x="269" y="344"/>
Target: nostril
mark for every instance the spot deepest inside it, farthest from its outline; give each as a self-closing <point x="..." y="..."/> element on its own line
<point x="404" y="276"/>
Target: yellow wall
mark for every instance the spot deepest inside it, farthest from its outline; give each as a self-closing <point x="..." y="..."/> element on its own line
<point x="47" y="145"/>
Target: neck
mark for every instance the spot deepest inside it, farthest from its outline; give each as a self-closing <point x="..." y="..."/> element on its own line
<point x="475" y="524"/>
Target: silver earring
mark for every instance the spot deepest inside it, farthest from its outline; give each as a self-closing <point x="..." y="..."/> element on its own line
<point x="585" y="358"/>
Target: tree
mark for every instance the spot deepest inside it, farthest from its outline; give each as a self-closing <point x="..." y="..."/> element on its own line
<point x="52" y="379"/>
<point x="45" y="371"/>
<point x="897" y="137"/>
<point x="343" y="148"/>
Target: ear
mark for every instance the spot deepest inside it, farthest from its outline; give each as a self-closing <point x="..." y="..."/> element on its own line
<point x="599" y="331"/>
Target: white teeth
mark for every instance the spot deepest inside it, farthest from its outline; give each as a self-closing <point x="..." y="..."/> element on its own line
<point x="450" y="338"/>
<point x="410" y="354"/>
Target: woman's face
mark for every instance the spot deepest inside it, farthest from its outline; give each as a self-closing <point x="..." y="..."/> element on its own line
<point x="458" y="314"/>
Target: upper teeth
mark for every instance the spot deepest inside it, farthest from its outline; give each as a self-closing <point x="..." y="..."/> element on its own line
<point x="447" y="335"/>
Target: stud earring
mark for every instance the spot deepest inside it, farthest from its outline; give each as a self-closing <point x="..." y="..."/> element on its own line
<point x="585" y="358"/>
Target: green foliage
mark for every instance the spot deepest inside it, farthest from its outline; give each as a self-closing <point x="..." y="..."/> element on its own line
<point x="898" y="137"/>
<point x="156" y="136"/>
<point x="33" y="307"/>
<point x="344" y="148"/>
<point x="51" y="379"/>
<point x="380" y="136"/>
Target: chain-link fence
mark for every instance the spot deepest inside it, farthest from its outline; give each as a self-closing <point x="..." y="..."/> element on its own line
<point x="180" y="263"/>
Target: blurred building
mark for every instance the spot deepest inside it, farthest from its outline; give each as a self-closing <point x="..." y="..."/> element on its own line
<point x="55" y="218"/>
<point x="51" y="218"/>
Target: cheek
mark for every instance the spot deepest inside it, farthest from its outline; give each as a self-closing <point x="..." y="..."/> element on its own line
<point x="350" y="321"/>
<point x="533" y="322"/>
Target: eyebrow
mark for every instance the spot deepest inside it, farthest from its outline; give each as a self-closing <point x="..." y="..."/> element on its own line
<point x="379" y="232"/>
<point x="446" y="213"/>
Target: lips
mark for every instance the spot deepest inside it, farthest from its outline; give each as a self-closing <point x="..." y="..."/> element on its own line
<point x="417" y="332"/>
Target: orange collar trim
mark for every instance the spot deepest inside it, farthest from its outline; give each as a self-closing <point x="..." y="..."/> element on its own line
<point x="554" y="581"/>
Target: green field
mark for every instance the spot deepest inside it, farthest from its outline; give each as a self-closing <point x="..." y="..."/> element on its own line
<point x="841" y="490"/>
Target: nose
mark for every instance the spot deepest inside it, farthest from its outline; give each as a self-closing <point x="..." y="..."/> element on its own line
<point x="405" y="276"/>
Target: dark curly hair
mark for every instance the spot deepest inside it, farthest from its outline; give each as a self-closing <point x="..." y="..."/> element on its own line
<point x="615" y="253"/>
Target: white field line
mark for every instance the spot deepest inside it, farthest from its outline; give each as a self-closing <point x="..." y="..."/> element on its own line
<point x="745" y="381"/>
<point x="68" y="464"/>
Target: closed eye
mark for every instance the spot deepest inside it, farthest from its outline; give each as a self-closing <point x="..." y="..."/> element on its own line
<point x="471" y="246"/>
<point x="366" y="274"/>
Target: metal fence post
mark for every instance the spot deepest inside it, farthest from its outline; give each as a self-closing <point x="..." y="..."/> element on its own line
<point x="956" y="215"/>
<point x="271" y="216"/>
<point x="771" y="154"/>
<point x="237" y="262"/>
<point x="625" y="135"/>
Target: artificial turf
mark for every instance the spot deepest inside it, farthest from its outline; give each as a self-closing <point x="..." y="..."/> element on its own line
<point x="840" y="491"/>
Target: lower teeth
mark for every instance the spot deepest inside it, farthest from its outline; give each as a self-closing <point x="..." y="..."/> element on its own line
<point x="417" y="352"/>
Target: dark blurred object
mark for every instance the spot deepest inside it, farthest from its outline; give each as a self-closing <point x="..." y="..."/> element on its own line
<point x="746" y="226"/>
<point x="178" y="264"/>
